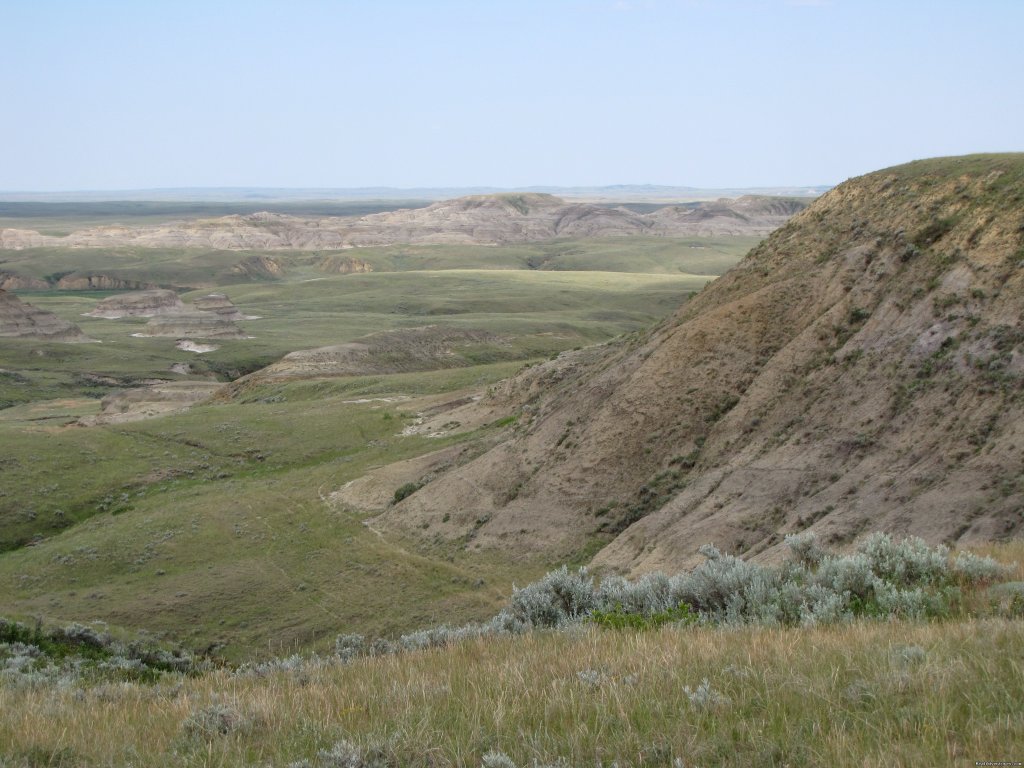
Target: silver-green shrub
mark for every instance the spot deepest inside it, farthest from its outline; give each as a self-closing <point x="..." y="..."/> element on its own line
<point x="559" y="597"/>
<point x="883" y="578"/>
<point x="977" y="569"/>
<point x="496" y="760"/>
<point x="704" y="696"/>
<point x="906" y="562"/>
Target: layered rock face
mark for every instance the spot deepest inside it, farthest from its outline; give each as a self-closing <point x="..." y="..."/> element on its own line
<point x="481" y="219"/>
<point x="861" y="369"/>
<point x="100" y="283"/>
<point x="138" y="304"/>
<point x="12" y="282"/>
<point x="24" y="321"/>
<point x="194" y="325"/>
<point x="259" y="267"/>
<point x="219" y="304"/>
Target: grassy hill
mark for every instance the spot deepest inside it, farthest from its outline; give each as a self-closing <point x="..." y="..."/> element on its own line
<point x="190" y="525"/>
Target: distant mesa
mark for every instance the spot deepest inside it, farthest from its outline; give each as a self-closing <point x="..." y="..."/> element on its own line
<point x="475" y="220"/>
<point x="221" y="305"/>
<point x="193" y="325"/>
<point x="138" y="304"/>
<point x="23" y="321"/>
<point x="10" y="281"/>
<point x="74" y="282"/>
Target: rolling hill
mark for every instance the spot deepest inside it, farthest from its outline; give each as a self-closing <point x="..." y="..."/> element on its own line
<point x="861" y="369"/>
<point x="480" y="219"/>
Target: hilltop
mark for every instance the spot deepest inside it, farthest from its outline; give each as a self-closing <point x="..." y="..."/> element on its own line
<point x="478" y="219"/>
<point x="860" y="369"/>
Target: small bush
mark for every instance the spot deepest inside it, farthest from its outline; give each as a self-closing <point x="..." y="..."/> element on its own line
<point x="975" y="569"/>
<point x="556" y="599"/>
<point x="497" y="760"/>
<point x="405" y="491"/>
<point x="213" y="721"/>
<point x="704" y="696"/>
<point x="345" y="754"/>
<point x="620" y="619"/>
<point x="349" y="647"/>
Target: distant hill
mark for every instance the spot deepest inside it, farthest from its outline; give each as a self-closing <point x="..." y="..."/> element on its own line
<point x="861" y="369"/>
<point x="478" y="219"/>
<point x="616" y="192"/>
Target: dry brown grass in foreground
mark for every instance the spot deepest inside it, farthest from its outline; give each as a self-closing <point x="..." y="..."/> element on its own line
<point x="866" y="694"/>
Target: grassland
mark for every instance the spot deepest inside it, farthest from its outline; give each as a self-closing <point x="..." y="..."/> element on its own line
<point x="535" y="313"/>
<point x="192" y="525"/>
<point x="213" y="527"/>
<point x="870" y="694"/>
<point x="60" y="219"/>
<point x="203" y="268"/>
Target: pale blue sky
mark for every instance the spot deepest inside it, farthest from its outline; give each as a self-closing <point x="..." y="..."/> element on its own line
<point x="112" y="94"/>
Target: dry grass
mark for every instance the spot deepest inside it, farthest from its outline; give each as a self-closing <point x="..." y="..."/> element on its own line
<point x="839" y="696"/>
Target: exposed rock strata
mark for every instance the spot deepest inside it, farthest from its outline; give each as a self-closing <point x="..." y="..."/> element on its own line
<point x="12" y="282"/>
<point x="20" y="320"/>
<point x="219" y="304"/>
<point x="193" y="325"/>
<point x="138" y="304"/>
<point x="481" y="219"/>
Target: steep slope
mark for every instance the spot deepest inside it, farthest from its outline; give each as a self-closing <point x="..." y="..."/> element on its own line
<point x="860" y="369"/>
<point x="478" y="219"/>
<point x="24" y="321"/>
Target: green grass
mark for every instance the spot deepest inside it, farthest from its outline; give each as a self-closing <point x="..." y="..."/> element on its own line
<point x="535" y="313"/>
<point x="195" y="524"/>
<point x="204" y="268"/>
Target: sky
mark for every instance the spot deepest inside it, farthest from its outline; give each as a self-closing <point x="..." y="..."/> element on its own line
<point x="123" y="94"/>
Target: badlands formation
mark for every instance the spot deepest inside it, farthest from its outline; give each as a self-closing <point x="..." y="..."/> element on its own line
<point x="138" y="304"/>
<point x="210" y="317"/>
<point x="861" y="369"/>
<point x="194" y="325"/>
<point x="24" y="321"/>
<point x="482" y="219"/>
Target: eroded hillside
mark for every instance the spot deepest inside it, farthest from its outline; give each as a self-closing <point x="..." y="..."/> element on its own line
<point x="861" y="369"/>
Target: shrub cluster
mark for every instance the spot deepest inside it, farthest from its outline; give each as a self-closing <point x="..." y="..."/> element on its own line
<point x="63" y="655"/>
<point x="883" y="578"/>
